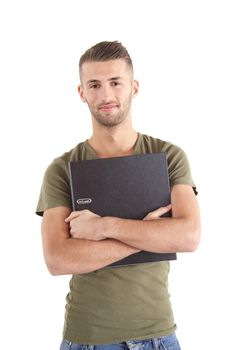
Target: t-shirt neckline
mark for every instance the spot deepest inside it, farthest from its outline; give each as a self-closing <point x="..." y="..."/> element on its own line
<point x="135" y="147"/>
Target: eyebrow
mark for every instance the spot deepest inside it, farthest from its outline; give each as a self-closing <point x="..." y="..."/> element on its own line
<point x="91" y="81"/>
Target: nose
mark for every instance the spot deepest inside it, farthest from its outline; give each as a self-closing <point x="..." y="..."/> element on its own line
<point x="106" y="93"/>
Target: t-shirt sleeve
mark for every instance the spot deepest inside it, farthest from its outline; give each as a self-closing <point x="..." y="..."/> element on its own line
<point x="55" y="190"/>
<point x="179" y="168"/>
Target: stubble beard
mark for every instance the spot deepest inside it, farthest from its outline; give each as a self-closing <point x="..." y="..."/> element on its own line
<point x="112" y="119"/>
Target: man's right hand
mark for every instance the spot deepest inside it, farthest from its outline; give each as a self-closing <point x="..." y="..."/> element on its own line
<point x="156" y="214"/>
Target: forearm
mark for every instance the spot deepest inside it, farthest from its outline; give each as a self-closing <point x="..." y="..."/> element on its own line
<point x="181" y="233"/>
<point x="66" y="255"/>
<point x="77" y="256"/>
<point x="162" y="236"/>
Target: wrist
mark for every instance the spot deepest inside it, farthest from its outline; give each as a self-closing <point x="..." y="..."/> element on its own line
<point x="113" y="228"/>
<point x="109" y="226"/>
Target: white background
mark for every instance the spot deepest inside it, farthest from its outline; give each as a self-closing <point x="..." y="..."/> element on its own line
<point x="182" y="53"/>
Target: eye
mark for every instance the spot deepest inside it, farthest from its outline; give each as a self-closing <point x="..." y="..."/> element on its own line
<point x="94" y="86"/>
<point x="115" y="83"/>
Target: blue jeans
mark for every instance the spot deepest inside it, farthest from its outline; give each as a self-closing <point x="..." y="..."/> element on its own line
<point x="169" y="342"/>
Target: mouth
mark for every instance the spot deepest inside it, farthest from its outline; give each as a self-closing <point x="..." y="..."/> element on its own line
<point x="109" y="107"/>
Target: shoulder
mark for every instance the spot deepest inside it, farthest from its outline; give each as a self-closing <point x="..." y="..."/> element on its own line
<point x="57" y="172"/>
<point x="71" y="155"/>
<point x="61" y="162"/>
<point x="153" y="144"/>
<point x="177" y="160"/>
<point x="55" y="190"/>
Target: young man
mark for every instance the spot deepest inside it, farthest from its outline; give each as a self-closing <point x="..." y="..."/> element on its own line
<point x="126" y="306"/>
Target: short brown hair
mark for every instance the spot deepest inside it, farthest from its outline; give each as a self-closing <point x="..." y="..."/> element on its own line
<point x="105" y="51"/>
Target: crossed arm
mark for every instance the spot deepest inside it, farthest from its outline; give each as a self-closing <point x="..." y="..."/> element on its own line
<point x="81" y="242"/>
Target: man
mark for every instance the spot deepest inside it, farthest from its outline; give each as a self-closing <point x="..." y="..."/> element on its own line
<point x="127" y="306"/>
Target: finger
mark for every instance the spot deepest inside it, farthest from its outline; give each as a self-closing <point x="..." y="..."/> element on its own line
<point x="73" y="215"/>
<point x="161" y="211"/>
<point x="158" y="212"/>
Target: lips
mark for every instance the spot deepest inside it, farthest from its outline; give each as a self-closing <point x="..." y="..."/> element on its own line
<point x="108" y="107"/>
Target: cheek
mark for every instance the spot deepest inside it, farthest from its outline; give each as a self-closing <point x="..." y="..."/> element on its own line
<point x="88" y="98"/>
<point x="92" y="102"/>
<point x="93" y="95"/>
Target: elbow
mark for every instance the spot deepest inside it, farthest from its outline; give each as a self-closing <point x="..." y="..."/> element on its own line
<point x="54" y="264"/>
<point x="192" y="245"/>
<point x="192" y="240"/>
<point x="54" y="271"/>
<point x="57" y="266"/>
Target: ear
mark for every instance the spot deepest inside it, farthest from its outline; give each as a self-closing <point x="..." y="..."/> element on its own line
<point x="81" y="93"/>
<point x="135" y="88"/>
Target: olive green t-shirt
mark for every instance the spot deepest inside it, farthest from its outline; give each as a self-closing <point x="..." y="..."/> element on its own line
<point x="121" y="303"/>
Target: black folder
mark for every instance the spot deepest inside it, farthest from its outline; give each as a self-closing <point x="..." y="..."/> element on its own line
<point x="126" y="187"/>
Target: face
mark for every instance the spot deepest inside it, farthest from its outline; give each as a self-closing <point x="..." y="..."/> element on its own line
<point x="108" y="87"/>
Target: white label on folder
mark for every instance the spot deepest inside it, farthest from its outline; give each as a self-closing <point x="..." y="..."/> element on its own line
<point x="84" y="201"/>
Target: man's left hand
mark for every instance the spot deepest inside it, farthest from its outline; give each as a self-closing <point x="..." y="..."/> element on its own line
<point x="84" y="224"/>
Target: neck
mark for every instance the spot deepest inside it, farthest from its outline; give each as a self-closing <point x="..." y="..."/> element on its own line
<point x="113" y="142"/>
